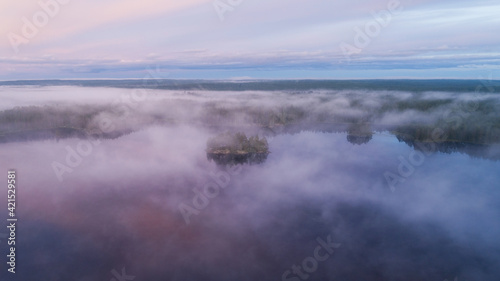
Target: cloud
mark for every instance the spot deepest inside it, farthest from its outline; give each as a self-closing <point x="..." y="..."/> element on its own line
<point x="122" y="200"/>
<point x="255" y="34"/>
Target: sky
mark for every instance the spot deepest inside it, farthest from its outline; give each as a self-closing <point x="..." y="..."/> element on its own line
<point x="240" y="39"/>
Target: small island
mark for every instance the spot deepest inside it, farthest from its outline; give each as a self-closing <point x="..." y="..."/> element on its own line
<point x="360" y="133"/>
<point x="235" y="148"/>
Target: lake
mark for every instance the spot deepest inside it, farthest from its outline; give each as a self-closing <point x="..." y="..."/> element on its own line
<point x="359" y="184"/>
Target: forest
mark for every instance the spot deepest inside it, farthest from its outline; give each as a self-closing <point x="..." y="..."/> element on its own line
<point x="468" y="119"/>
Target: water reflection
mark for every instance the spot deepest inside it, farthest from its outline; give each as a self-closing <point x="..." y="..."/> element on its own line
<point x="266" y="219"/>
<point x="119" y="206"/>
<point x="236" y="159"/>
<point x="360" y="133"/>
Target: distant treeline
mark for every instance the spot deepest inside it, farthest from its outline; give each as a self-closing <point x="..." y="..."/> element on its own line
<point x="466" y="120"/>
<point x="445" y="85"/>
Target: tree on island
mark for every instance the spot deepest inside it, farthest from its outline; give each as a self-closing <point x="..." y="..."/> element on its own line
<point x="236" y="148"/>
<point x="238" y="143"/>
